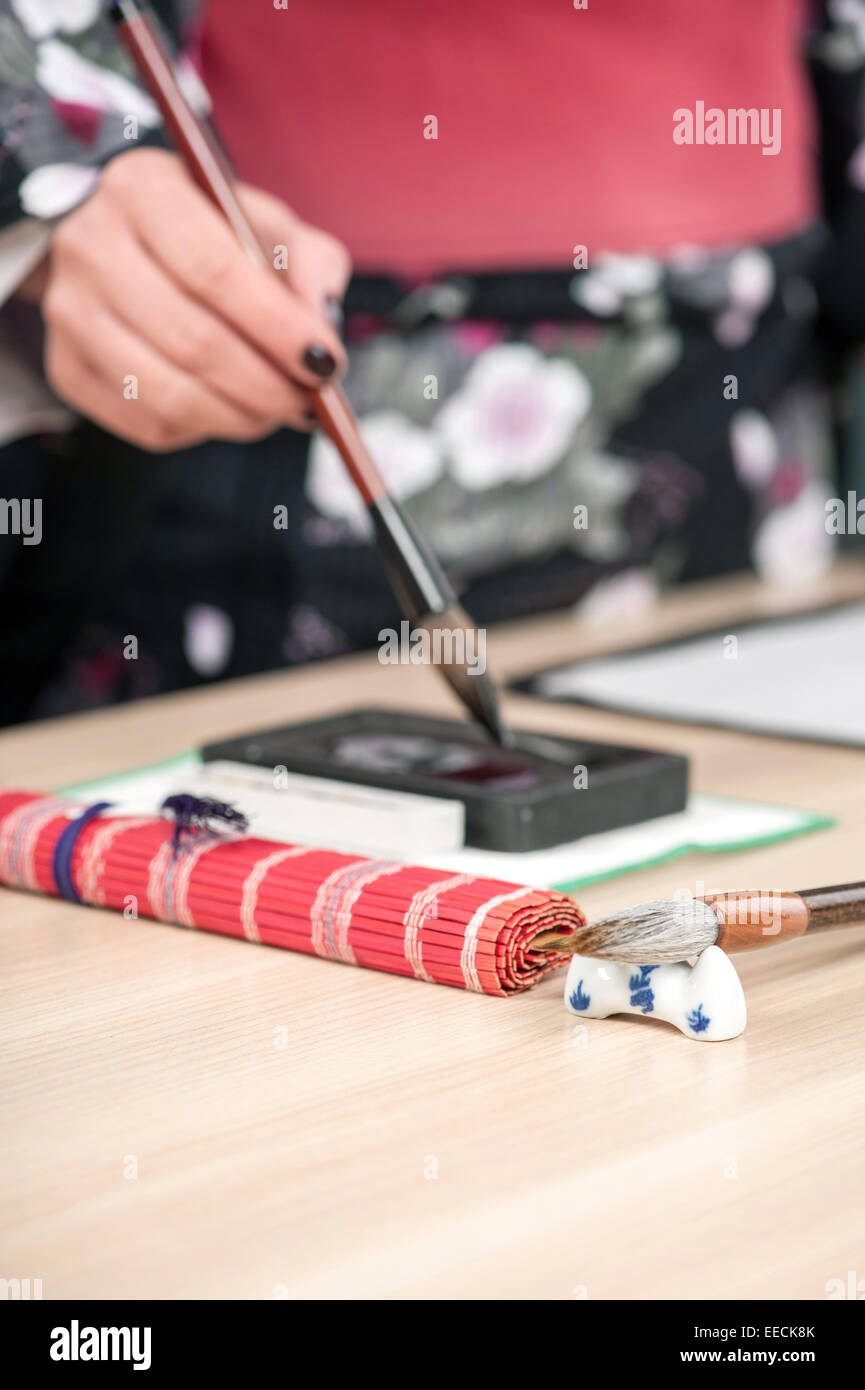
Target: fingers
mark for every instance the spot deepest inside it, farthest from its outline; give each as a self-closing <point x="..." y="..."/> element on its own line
<point x="159" y="325"/>
<point x="129" y="388"/>
<point x="150" y="304"/>
<point x="196" y="248"/>
<point x="316" y="265"/>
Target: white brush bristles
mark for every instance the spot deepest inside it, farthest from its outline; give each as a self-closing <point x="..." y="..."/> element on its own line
<point x="666" y="929"/>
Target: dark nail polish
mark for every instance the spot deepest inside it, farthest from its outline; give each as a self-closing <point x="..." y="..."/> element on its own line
<point x="333" y="310"/>
<point x="317" y="359"/>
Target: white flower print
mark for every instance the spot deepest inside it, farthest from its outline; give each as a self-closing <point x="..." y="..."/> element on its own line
<point x="750" y="284"/>
<point x="41" y="18"/>
<point x="621" y="598"/>
<point x="751" y="280"/>
<point x="850" y="14"/>
<point x="66" y="76"/>
<point x="604" y="289"/>
<point x="513" y="418"/>
<point x="55" y="189"/>
<point x="754" y="447"/>
<point x="792" y="545"/>
<point x="208" y="637"/>
<point x="408" y="457"/>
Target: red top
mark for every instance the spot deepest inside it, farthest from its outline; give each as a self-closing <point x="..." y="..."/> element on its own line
<point x="555" y="125"/>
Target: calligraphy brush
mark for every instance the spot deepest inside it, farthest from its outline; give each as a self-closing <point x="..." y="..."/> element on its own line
<point x="671" y="929"/>
<point x="418" y="582"/>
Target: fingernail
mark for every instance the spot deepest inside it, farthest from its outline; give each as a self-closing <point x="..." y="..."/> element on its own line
<point x="317" y="359"/>
<point x="333" y="310"/>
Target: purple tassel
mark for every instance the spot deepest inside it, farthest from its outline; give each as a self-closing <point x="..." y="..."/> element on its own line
<point x="194" y="814"/>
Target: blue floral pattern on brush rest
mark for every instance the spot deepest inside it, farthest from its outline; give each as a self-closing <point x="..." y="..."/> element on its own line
<point x="579" y="1000"/>
<point x="642" y="994"/>
<point x="697" y="1021"/>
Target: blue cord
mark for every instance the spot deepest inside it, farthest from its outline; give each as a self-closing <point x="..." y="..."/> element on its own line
<point x="61" y="863"/>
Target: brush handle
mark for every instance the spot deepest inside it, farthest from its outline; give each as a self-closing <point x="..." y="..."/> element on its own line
<point x="840" y="906"/>
<point x="750" y="919"/>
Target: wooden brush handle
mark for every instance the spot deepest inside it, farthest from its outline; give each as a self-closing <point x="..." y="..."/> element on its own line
<point x="834" y="907"/>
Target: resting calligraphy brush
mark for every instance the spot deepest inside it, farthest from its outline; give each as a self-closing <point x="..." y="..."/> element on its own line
<point x="421" y="588"/>
<point x="672" y="929"/>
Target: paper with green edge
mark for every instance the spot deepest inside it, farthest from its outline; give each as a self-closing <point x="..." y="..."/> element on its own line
<point x="709" y="825"/>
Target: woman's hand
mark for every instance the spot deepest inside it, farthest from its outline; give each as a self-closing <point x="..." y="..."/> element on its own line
<point x="161" y="329"/>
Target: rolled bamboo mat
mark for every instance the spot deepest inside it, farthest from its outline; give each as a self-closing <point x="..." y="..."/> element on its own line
<point x="453" y="929"/>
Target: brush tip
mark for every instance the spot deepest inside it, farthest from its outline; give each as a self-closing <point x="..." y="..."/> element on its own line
<point x="651" y="933"/>
<point x="466" y="672"/>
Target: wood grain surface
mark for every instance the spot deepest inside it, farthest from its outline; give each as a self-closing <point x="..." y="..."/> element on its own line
<point x="186" y="1116"/>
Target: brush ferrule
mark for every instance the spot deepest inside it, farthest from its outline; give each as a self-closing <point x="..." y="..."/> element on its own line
<point x="420" y="584"/>
<point x="751" y="918"/>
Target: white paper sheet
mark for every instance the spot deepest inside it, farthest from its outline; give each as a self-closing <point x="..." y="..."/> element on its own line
<point x="801" y="678"/>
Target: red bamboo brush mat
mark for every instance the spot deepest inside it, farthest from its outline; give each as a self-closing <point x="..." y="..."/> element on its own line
<point x="452" y="929"/>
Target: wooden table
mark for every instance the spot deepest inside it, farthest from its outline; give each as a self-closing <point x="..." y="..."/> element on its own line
<point x="187" y="1116"/>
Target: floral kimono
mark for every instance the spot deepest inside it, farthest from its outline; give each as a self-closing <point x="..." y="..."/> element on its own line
<point x="581" y="438"/>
